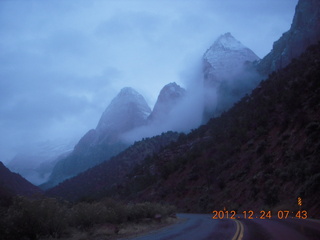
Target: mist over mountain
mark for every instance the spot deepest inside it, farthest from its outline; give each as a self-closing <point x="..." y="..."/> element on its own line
<point x="36" y="164"/>
<point x="164" y="117"/>
<point x="126" y="111"/>
<point x="228" y="74"/>
<point x="128" y="118"/>
<point x="170" y="95"/>
<point x="262" y="152"/>
<point x="35" y="169"/>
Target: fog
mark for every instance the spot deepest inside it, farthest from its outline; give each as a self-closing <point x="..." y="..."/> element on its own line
<point x="185" y="115"/>
<point x="201" y="101"/>
<point x="231" y="88"/>
<point x="62" y="62"/>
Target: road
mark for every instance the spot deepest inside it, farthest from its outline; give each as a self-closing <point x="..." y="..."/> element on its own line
<point x="277" y="229"/>
<point x="203" y="227"/>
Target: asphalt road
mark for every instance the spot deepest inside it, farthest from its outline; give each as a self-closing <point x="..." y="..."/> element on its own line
<point x="277" y="229"/>
<point x="203" y="227"/>
<point x="195" y="227"/>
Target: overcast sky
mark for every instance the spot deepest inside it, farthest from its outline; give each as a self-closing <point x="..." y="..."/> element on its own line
<point x="61" y="62"/>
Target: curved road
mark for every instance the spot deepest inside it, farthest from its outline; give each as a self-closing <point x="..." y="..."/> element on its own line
<point x="195" y="227"/>
<point x="203" y="227"/>
<point x="277" y="229"/>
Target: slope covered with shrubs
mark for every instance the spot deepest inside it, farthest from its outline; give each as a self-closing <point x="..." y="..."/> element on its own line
<point x="261" y="154"/>
<point x="46" y="218"/>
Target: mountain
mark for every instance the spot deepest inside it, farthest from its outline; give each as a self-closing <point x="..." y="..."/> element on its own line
<point x="12" y="184"/>
<point x="165" y="116"/>
<point x="304" y="31"/>
<point x="126" y="111"/>
<point x="228" y="74"/>
<point x="225" y="57"/>
<point x="170" y="95"/>
<point x="261" y="154"/>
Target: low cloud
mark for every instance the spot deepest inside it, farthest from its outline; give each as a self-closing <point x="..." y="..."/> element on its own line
<point x="184" y="116"/>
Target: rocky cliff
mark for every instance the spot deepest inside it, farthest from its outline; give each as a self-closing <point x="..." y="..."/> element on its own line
<point x="228" y="74"/>
<point x="304" y="31"/>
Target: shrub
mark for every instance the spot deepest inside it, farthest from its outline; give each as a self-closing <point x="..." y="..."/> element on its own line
<point x="140" y="211"/>
<point x="47" y="217"/>
<point x="34" y="218"/>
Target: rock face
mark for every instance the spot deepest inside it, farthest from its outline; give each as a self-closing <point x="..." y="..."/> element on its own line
<point x="224" y="58"/>
<point x="227" y="73"/>
<point x="304" y="31"/>
<point x="12" y="184"/>
<point x="126" y="111"/>
<point x="166" y="115"/>
<point x="170" y="95"/>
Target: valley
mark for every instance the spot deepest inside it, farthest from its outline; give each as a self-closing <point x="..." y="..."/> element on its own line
<point x="232" y="155"/>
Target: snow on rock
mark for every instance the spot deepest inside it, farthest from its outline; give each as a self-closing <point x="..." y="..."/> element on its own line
<point x="228" y="74"/>
<point x="168" y="98"/>
<point x="225" y="57"/>
<point x="126" y="111"/>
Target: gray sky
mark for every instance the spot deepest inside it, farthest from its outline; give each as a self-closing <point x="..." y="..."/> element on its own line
<point x="61" y="62"/>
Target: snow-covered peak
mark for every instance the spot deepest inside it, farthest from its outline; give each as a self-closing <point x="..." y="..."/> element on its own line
<point x="225" y="48"/>
<point x="226" y="73"/>
<point x="127" y="96"/>
<point x="169" y="96"/>
<point x="226" y="56"/>
<point x="128" y="91"/>
<point x="171" y="91"/>
<point x="228" y="42"/>
<point x="127" y="110"/>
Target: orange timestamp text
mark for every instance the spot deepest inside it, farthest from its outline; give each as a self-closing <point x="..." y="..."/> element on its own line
<point x="281" y="214"/>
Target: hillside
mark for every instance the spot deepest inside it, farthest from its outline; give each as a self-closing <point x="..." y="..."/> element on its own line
<point x="263" y="153"/>
<point x="12" y="184"/>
